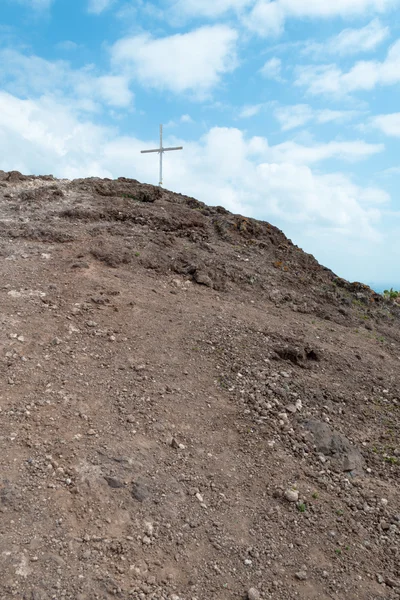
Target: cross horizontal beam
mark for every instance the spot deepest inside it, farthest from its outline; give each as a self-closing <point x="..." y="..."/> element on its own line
<point x="161" y="150"/>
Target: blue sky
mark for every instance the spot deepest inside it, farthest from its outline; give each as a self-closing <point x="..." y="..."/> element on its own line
<point x="288" y="110"/>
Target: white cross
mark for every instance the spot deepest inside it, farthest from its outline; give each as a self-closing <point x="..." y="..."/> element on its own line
<point x="161" y="151"/>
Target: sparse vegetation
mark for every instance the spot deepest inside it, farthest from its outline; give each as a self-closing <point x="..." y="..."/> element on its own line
<point x="391" y="294"/>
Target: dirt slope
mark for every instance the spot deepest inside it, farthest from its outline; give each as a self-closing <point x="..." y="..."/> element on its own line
<point x="191" y="406"/>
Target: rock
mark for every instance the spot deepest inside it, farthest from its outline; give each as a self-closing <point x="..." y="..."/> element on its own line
<point x="391" y="582"/>
<point x="114" y="483"/>
<point x="253" y="594"/>
<point x="291" y="495"/>
<point x="146" y="540"/>
<point x="335" y="445"/>
<point x="380" y="579"/>
<point x="139" y="491"/>
<point x="202" y="278"/>
<point x="91" y="323"/>
<point x="301" y="575"/>
<point x="149" y="529"/>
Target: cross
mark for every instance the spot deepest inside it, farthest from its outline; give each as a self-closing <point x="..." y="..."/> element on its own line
<point x="161" y="151"/>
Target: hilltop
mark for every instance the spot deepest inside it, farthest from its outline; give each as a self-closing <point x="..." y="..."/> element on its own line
<point x="191" y="406"/>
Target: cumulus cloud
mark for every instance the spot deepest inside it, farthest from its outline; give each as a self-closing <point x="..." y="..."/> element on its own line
<point x="37" y="4"/>
<point x="98" y="6"/>
<point x="33" y="75"/>
<point x="351" y="41"/>
<point x="207" y="8"/>
<point x="250" y="110"/>
<point x="298" y="115"/>
<point x="342" y="8"/>
<point x="190" y="62"/>
<point x="388" y="124"/>
<point x="267" y="17"/>
<point x="67" y="46"/>
<point x="272" y="69"/>
<point x="292" y="152"/>
<point x="363" y="76"/>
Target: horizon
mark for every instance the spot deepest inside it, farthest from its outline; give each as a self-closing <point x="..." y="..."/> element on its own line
<point x="287" y="111"/>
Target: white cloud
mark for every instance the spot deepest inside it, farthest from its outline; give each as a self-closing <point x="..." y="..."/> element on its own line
<point x="363" y="76"/>
<point x="342" y="8"/>
<point x="250" y="110"/>
<point x="98" y="6"/>
<point x="298" y="115"/>
<point x="183" y="119"/>
<point x="207" y="8"/>
<point x="388" y="124"/>
<point x="37" y="4"/>
<point x="292" y="152"/>
<point x="351" y="41"/>
<point x="272" y="69"/>
<point x="67" y="45"/>
<point x="189" y="62"/>
<point x="267" y="18"/>
<point x="33" y="75"/>
<point x="43" y="136"/>
<point x="113" y="90"/>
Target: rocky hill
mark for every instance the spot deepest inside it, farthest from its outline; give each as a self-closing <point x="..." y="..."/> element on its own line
<point x="191" y="406"/>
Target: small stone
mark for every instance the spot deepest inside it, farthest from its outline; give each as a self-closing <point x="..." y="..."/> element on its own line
<point x="130" y="419"/>
<point x="114" y="483"/>
<point x="146" y="540"/>
<point x="149" y="529"/>
<point x="301" y="575"/>
<point x="384" y="501"/>
<point x="391" y="582"/>
<point x="253" y="594"/>
<point x="139" y="491"/>
<point x="91" y="323"/>
<point x="91" y="432"/>
<point x="380" y="579"/>
<point x="248" y="562"/>
<point x="292" y="495"/>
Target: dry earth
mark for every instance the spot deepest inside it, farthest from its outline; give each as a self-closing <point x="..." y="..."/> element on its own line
<point x="191" y="406"/>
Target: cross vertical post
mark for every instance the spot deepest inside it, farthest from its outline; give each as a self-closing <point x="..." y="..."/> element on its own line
<point x="161" y="151"/>
<point x="161" y="154"/>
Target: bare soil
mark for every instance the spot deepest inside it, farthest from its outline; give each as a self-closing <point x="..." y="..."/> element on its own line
<point x="191" y="406"/>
